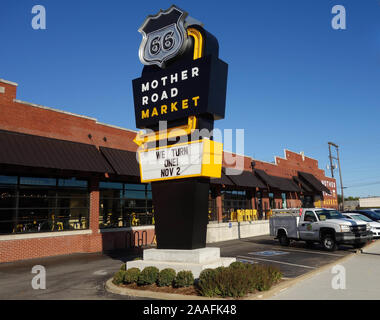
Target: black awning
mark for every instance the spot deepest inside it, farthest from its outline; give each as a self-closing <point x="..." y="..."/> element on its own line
<point x="40" y="152"/>
<point x="266" y="178"/>
<point x="313" y="181"/>
<point x="285" y="184"/>
<point x="304" y="186"/>
<point x="280" y="183"/>
<point x="123" y="162"/>
<point x="244" y="179"/>
<point x="222" y="180"/>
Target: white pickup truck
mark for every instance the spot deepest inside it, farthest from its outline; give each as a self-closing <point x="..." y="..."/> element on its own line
<point x="326" y="226"/>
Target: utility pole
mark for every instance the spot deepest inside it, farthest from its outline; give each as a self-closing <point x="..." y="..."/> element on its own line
<point x="340" y="172"/>
<point x="331" y="161"/>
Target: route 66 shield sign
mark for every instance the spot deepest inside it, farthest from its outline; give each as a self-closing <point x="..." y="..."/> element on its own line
<point x="164" y="36"/>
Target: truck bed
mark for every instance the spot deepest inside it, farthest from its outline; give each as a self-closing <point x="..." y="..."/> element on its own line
<point x="289" y="222"/>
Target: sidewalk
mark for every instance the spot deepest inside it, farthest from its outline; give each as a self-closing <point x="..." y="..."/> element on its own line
<point x="362" y="280"/>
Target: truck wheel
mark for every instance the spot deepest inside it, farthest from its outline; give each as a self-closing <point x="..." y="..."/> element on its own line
<point x="328" y="242"/>
<point x="284" y="240"/>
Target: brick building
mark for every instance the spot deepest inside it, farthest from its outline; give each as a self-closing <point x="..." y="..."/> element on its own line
<point x="69" y="183"/>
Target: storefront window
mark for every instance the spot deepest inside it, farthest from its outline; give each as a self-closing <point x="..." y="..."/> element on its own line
<point x="125" y="205"/>
<point x="272" y="203"/>
<point x="212" y="208"/>
<point x="42" y="204"/>
<point x="233" y="200"/>
<point x="283" y="197"/>
<point x="8" y="180"/>
<point x="307" y="201"/>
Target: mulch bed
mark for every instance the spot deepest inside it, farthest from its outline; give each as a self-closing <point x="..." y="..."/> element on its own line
<point x="190" y="291"/>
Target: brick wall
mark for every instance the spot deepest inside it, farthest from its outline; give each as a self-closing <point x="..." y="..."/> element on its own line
<point x="28" y="118"/>
<point x="42" y="121"/>
<point x="32" y="119"/>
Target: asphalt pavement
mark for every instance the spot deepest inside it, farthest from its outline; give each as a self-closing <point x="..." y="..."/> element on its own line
<point x="83" y="276"/>
<point x="293" y="261"/>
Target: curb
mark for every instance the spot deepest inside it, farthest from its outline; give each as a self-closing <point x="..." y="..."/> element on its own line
<point x="110" y="287"/>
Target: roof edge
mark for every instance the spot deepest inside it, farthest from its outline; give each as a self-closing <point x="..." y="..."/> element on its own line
<point x="53" y="109"/>
<point x="9" y="82"/>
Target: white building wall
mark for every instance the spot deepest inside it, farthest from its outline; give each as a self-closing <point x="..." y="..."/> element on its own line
<point x="235" y="230"/>
<point x="371" y="202"/>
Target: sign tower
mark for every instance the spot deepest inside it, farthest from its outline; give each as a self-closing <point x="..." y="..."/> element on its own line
<point x="181" y="92"/>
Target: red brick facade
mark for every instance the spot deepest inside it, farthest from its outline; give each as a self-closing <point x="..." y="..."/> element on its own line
<point x="18" y="116"/>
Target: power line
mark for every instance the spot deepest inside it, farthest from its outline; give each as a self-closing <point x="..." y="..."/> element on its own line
<point x="364" y="184"/>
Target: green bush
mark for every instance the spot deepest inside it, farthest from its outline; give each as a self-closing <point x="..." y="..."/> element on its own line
<point x="184" y="279"/>
<point x="265" y="276"/>
<point x="238" y="265"/>
<point x="123" y="267"/>
<point x="166" y="277"/>
<point x="237" y="280"/>
<point x="131" y="275"/>
<point x="118" y="277"/>
<point x="148" y="276"/>
<point x="232" y="282"/>
<point x="207" y="285"/>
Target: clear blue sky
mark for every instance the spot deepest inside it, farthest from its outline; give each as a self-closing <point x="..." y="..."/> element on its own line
<point x="294" y="82"/>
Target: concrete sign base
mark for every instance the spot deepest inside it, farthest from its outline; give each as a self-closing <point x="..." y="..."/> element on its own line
<point x="191" y="260"/>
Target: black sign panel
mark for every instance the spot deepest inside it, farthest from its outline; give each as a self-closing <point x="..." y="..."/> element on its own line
<point x="193" y="87"/>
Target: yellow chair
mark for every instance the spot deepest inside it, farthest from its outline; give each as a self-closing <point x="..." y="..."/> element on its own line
<point x="19" y="228"/>
<point x="233" y="215"/>
<point x="135" y="221"/>
<point x="254" y="215"/>
<point x="248" y="215"/>
<point x="60" y="225"/>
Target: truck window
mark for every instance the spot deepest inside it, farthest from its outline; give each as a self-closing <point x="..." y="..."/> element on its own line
<point x="329" y="214"/>
<point x="310" y="216"/>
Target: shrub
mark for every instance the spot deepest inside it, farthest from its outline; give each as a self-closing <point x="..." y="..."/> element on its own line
<point x="237" y="265"/>
<point x="237" y="280"/>
<point x="184" y="279"/>
<point x="123" y="267"/>
<point x="148" y="276"/>
<point x="118" y="277"/>
<point x="166" y="277"/>
<point x="263" y="277"/>
<point x="131" y="275"/>
<point x="232" y="282"/>
<point x="206" y="284"/>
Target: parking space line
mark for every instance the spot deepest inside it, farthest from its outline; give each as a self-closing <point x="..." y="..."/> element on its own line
<point x="315" y="252"/>
<point x="280" y="262"/>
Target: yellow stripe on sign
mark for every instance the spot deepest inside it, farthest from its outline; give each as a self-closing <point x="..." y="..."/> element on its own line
<point x="198" y="42"/>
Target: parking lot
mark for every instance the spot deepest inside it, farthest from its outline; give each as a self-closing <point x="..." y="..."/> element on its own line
<point x="293" y="261"/>
<point x="82" y="276"/>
